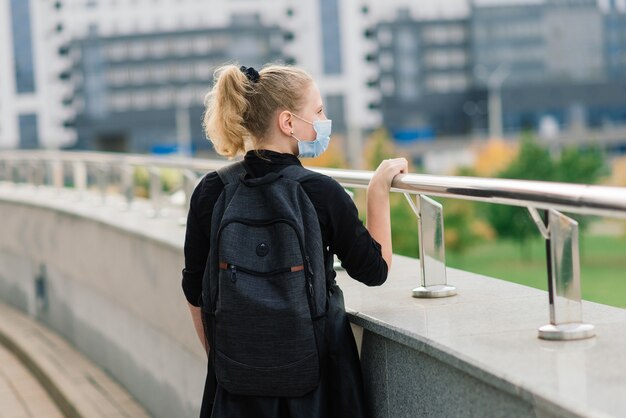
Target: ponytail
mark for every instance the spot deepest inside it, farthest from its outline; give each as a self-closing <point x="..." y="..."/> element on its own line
<point x="226" y="105"/>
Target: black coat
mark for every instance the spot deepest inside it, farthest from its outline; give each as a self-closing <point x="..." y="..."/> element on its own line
<point x="340" y="392"/>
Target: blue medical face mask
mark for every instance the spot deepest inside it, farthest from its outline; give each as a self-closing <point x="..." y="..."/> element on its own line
<point x="312" y="149"/>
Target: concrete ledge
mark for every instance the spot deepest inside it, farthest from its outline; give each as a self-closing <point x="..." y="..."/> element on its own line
<point x="77" y="386"/>
<point x="431" y="355"/>
<point x="114" y="292"/>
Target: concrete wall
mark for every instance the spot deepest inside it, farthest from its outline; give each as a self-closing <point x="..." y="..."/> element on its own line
<point x="109" y="281"/>
<point x="113" y="293"/>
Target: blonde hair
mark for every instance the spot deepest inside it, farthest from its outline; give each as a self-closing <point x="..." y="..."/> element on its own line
<point x="238" y="110"/>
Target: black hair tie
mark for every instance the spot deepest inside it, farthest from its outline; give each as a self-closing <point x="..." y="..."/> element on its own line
<point x="251" y="73"/>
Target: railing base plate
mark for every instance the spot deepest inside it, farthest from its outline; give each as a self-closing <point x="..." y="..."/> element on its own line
<point x="564" y="332"/>
<point x="435" y="291"/>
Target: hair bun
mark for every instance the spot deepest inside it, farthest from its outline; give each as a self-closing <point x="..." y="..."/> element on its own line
<point x="251" y="73"/>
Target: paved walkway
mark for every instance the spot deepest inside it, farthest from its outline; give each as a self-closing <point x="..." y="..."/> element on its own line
<point x="42" y="375"/>
<point x="21" y="395"/>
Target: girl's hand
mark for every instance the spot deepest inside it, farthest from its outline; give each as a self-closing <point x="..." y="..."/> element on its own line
<point x="386" y="171"/>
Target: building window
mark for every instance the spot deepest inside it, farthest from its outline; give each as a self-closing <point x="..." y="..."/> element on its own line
<point x="159" y="48"/>
<point x="387" y="86"/>
<point x="384" y="35"/>
<point x="116" y="51"/>
<point x="203" y="70"/>
<point x="28" y="131"/>
<point x="139" y="75"/>
<point x="202" y="45"/>
<point x="138" y="50"/>
<point x="407" y="89"/>
<point x="406" y="40"/>
<point x="331" y="36"/>
<point x="445" y="58"/>
<point x="159" y="73"/>
<point x="161" y="98"/>
<point x="184" y="72"/>
<point x="121" y="101"/>
<point x="385" y="60"/>
<point x="141" y="100"/>
<point x="22" y="46"/>
<point x="182" y="47"/>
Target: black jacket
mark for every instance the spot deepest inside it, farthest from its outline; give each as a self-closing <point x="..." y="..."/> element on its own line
<point x="340" y="392"/>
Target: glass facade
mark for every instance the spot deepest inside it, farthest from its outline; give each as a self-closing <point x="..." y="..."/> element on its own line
<point x="94" y="82"/>
<point x="28" y="131"/>
<point x="22" y="46"/>
<point x="331" y="36"/>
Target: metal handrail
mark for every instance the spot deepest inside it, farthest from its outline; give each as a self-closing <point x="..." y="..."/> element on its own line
<point x="559" y="231"/>
<point x="568" y="197"/>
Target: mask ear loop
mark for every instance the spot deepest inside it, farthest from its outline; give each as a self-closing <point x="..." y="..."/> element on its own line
<point x="302" y="119"/>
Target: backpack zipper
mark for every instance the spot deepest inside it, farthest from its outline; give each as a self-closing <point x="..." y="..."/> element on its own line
<point x="233" y="271"/>
<point x="308" y="270"/>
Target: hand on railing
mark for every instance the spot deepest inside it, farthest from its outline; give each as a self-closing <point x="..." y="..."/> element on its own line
<point x="386" y="171"/>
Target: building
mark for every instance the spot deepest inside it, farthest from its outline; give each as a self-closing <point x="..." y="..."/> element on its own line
<point x="425" y="75"/>
<point x="530" y="60"/>
<point x="76" y="73"/>
<point x="615" y="38"/>
<point x="31" y="113"/>
<point x="144" y="92"/>
<point x="73" y="89"/>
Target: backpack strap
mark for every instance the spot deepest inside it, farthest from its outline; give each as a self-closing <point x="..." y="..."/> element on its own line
<point x="231" y="173"/>
<point x="297" y="173"/>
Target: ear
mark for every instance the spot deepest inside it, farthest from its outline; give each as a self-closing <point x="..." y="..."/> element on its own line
<point x="284" y="123"/>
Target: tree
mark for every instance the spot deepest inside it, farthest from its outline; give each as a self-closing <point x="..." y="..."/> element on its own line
<point x="534" y="162"/>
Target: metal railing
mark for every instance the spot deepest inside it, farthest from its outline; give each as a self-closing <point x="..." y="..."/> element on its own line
<point x="83" y="169"/>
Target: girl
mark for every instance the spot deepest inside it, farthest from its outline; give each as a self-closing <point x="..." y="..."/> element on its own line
<point x="274" y="117"/>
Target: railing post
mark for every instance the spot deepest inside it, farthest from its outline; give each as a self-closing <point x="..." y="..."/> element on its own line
<point x="433" y="281"/>
<point x="128" y="184"/>
<point x="16" y="171"/>
<point x="564" y="281"/>
<point x="31" y="170"/>
<point x="6" y="173"/>
<point x="40" y="172"/>
<point x="102" y="175"/>
<point x="57" y="174"/>
<point x="79" y="173"/>
<point x="155" y="191"/>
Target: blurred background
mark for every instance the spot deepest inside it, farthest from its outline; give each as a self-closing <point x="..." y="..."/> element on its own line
<point x="515" y="89"/>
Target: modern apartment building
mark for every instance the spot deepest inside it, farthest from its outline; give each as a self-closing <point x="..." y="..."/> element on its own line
<point x="436" y="74"/>
<point x="131" y="74"/>
<point x="424" y="74"/>
<point x="144" y="92"/>
<point x="83" y="77"/>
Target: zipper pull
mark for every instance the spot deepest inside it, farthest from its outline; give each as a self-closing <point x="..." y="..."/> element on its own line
<point x="311" y="290"/>
<point x="308" y="263"/>
<point x="233" y="273"/>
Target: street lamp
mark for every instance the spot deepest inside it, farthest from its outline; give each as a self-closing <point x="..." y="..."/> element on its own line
<point x="494" y="81"/>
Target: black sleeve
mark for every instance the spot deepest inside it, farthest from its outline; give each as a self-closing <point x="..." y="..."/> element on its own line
<point x="347" y="237"/>
<point x="197" y="235"/>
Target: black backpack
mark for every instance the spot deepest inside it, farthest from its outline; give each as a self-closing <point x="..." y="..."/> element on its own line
<point x="264" y="296"/>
